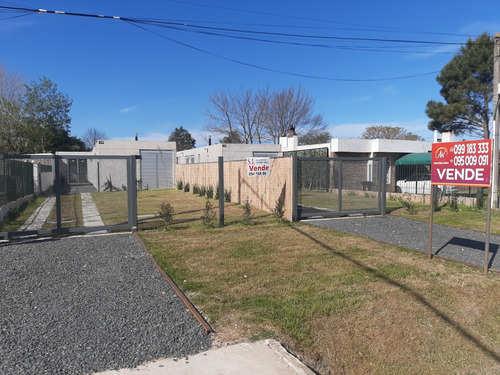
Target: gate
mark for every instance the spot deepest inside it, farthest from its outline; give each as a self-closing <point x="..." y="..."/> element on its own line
<point x="330" y="187"/>
<point x="57" y="194"/>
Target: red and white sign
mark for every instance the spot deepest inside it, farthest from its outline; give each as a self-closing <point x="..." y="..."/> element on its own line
<point x="462" y="163"/>
<point x="258" y="167"/>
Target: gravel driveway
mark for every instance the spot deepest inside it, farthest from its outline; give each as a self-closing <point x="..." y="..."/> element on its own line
<point x="80" y="305"/>
<point x="447" y="242"/>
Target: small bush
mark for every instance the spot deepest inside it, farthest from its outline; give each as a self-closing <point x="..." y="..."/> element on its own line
<point x="180" y="185"/>
<point x="227" y="196"/>
<point x="279" y="209"/>
<point x="203" y="191"/>
<point x="196" y="189"/>
<point x="186" y="187"/>
<point x="209" y="214"/>
<point x="408" y="205"/>
<point x="247" y="212"/>
<point x="166" y="213"/>
<point x="210" y="192"/>
<point x="216" y="194"/>
<point x="454" y="203"/>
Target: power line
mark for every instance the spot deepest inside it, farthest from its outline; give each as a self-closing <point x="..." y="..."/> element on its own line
<point x="223" y="32"/>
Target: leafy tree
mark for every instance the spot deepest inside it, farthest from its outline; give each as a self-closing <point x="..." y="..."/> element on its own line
<point x="11" y="120"/>
<point x="232" y="137"/>
<point x="467" y="88"/>
<point x="47" y="120"/>
<point x="91" y="136"/>
<point x="389" y="132"/>
<point x="182" y="138"/>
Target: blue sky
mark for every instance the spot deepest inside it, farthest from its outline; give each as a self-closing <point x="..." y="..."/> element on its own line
<point x="125" y="79"/>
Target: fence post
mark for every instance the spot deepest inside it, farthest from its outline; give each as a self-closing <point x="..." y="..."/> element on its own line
<point x="383" y="186"/>
<point x="57" y="191"/>
<point x="132" y="192"/>
<point x="295" y="189"/>
<point x="221" y="191"/>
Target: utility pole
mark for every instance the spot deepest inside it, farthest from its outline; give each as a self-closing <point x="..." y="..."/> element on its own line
<point x="496" y="119"/>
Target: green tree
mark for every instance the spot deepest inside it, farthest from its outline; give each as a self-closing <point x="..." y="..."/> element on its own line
<point x="11" y="119"/>
<point x="232" y="137"/>
<point x="467" y="88"/>
<point x="389" y="132"/>
<point x="47" y="120"/>
<point x="182" y="138"/>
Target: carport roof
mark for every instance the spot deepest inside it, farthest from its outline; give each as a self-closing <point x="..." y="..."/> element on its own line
<point x="420" y="158"/>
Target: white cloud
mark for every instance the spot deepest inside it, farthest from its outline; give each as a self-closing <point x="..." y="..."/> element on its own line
<point x="355" y="130"/>
<point x="129" y="109"/>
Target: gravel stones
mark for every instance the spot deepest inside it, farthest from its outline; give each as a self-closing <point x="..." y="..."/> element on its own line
<point x="80" y="305"/>
<point x="452" y="243"/>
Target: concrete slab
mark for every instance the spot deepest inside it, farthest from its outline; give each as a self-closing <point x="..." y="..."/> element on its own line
<point x="266" y="357"/>
<point x="38" y="218"/>
<point x="90" y="213"/>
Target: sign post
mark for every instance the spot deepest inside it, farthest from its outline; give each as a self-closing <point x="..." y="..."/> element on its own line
<point x="463" y="164"/>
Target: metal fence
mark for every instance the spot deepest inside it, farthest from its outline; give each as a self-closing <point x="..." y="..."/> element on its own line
<point x="16" y="180"/>
<point x="416" y="179"/>
<point x="68" y="194"/>
<point x="340" y="186"/>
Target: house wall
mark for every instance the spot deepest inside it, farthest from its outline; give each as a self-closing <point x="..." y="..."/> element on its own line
<point x="263" y="192"/>
<point x="229" y="151"/>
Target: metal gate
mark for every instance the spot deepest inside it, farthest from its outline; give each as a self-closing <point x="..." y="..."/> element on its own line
<point x="329" y="187"/>
<point x="54" y="194"/>
<point x="157" y="169"/>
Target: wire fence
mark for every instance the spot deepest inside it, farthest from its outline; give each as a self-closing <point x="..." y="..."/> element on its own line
<point x="16" y="180"/>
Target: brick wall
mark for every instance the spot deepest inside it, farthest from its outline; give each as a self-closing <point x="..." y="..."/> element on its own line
<point x="262" y="192"/>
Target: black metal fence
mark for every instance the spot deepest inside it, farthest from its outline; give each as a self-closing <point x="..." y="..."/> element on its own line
<point x="339" y="186"/>
<point x="416" y="179"/>
<point x="16" y="180"/>
<point x="75" y="194"/>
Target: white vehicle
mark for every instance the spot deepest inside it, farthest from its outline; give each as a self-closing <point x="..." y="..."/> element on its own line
<point x="420" y="183"/>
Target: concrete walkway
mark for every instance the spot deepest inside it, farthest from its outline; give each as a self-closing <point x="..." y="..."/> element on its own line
<point x="38" y="218"/>
<point x="266" y="357"/>
<point x="90" y="213"/>
<point x="91" y="216"/>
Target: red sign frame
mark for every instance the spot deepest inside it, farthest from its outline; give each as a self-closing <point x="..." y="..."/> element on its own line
<point x="462" y="163"/>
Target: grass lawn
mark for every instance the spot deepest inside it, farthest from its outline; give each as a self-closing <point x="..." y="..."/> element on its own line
<point x="18" y="217"/>
<point x="112" y="206"/>
<point x="344" y="304"/>
<point x="71" y="213"/>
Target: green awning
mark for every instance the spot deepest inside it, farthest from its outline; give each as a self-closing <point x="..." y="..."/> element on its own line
<point x="421" y="158"/>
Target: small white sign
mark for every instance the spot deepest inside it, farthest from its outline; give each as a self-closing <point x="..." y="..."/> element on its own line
<point x="258" y="167"/>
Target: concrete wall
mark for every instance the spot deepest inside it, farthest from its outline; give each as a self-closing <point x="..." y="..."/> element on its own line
<point x="230" y="151"/>
<point x="262" y="192"/>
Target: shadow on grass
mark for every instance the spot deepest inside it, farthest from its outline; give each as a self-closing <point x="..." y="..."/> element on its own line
<point x="418" y="297"/>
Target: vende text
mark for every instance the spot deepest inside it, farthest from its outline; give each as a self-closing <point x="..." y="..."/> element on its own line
<point x="466" y="174"/>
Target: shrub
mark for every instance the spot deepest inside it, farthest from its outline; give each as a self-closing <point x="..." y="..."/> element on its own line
<point x="210" y="192"/>
<point x="247" y="212"/>
<point x="408" y="205"/>
<point x="216" y="194"/>
<point x="180" y="185"/>
<point x="203" y="191"/>
<point x="186" y="187"/>
<point x="227" y="196"/>
<point x="209" y="214"/>
<point x="279" y="209"/>
<point x="166" y="213"/>
<point x="196" y="189"/>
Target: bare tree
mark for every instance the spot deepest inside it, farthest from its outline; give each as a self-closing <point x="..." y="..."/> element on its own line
<point x="237" y="114"/>
<point x="91" y="136"/>
<point x="11" y="113"/>
<point x="294" y="109"/>
<point x="389" y="132"/>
